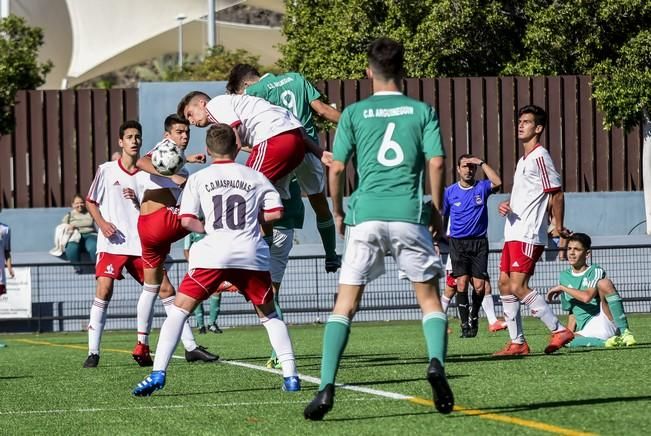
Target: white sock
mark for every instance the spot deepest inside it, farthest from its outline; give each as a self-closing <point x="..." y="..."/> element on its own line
<point x="540" y="309"/>
<point x="489" y="308"/>
<point x="186" y="335"/>
<point x="512" y="317"/>
<point x="445" y="302"/>
<point x="145" y="311"/>
<point x="281" y="343"/>
<point x="96" y="324"/>
<point x="169" y="336"/>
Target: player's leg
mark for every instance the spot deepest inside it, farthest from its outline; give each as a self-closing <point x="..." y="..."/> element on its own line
<point x="311" y="178"/>
<point x="461" y="273"/>
<point x="279" y="252"/>
<point x="599" y="331"/>
<point x="215" y="302"/>
<point x="450" y="286"/>
<point x="609" y="294"/>
<point x="198" y="317"/>
<point x="477" y="258"/>
<point x="488" y="304"/>
<point x="103" y="294"/>
<point x="511" y="307"/>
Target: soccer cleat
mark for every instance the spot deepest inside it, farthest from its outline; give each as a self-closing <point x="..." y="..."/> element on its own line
<point x="497" y="326"/>
<point x="333" y="264"/>
<point x="513" y="349"/>
<point x="473" y="327"/>
<point x="613" y="342"/>
<point x="321" y="404"/>
<point x="151" y="383"/>
<point x="91" y="361"/>
<point x="441" y="392"/>
<point x="465" y="331"/>
<point x="627" y="339"/>
<point x="291" y="384"/>
<point x="200" y="354"/>
<point x="202" y="330"/>
<point x="215" y="328"/>
<point x="273" y="363"/>
<point x="142" y="355"/>
<point x="558" y="340"/>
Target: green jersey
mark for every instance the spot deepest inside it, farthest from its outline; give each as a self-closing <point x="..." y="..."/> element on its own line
<point x="587" y="279"/>
<point x="292" y="92"/>
<point x="294" y="209"/>
<point x="392" y="137"/>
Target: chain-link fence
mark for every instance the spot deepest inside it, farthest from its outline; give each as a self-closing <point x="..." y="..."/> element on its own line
<point x="61" y="299"/>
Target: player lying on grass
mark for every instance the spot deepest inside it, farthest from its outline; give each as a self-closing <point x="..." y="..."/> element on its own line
<point x="158" y="227"/>
<point x="234" y="200"/>
<point x="596" y="311"/>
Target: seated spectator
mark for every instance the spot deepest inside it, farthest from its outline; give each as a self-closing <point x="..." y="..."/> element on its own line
<point x="80" y="220"/>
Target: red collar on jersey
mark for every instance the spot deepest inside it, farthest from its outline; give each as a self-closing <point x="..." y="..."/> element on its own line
<point x="536" y="146"/>
<point x="223" y="161"/>
<point x="135" y="170"/>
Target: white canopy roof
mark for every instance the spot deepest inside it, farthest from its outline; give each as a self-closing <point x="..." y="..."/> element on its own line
<point x="87" y="38"/>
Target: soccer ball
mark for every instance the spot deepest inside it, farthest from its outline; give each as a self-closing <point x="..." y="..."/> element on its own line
<point x="167" y="158"/>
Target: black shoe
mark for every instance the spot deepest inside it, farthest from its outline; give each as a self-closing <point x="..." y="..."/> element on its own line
<point x="465" y="331"/>
<point x="202" y="330"/>
<point x="332" y="264"/>
<point x="473" y="327"/>
<point x="321" y="404"/>
<point x="443" y="398"/>
<point x="200" y="354"/>
<point x="215" y="329"/>
<point x="91" y="361"/>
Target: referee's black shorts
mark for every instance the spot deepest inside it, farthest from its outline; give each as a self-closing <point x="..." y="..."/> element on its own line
<point x="469" y="257"/>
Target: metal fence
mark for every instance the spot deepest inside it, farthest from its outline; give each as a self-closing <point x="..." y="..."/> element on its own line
<point x="61" y="299"/>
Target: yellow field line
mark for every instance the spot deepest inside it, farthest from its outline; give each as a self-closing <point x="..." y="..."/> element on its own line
<point x="416" y="400"/>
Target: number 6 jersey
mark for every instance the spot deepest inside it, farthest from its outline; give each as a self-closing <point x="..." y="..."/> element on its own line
<point x="231" y="197"/>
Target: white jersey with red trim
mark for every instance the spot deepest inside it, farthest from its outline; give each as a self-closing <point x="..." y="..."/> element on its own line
<point x="256" y="119"/>
<point x="535" y="179"/>
<point x="148" y="181"/>
<point x="231" y="197"/>
<point x="107" y="191"/>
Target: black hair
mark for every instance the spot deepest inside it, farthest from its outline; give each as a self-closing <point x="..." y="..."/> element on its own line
<point x="130" y="124"/>
<point x="238" y="75"/>
<point x="220" y="139"/>
<point x="539" y="114"/>
<point x="386" y="58"/>
<point x="582" y="239"/>
<point x="173" y="119"/>
<point x="180" y="109"/>
<point x="462" y="157"/>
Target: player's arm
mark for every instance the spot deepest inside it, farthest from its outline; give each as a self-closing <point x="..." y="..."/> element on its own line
<point x="192" y="224"/>
<point x="325" y="111"/>
<point x="107" y="228"/>
<point x="584" y="296"/>
<point x="145" y="164"/>
<point x="436" y="174"/>
<point x="271" y="216"/>
<point x="557" y="201"/>
<point x="571" y="322"/>
<point x="336" y="179"/>
<point x="491" y="174"/>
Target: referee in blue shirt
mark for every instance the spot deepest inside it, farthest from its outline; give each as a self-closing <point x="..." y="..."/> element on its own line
<point x="465" y="205"/>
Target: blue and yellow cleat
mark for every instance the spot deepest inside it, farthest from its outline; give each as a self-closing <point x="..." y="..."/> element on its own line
<point x="291" y="384"/>
<point x="151" y="383"/>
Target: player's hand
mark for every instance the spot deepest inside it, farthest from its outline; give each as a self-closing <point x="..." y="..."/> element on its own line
<point x="436" y="225"/>
<point x="474" y="161"/>
<point x="196" y="158"/>
<point x="339" y="224"/>
<point x="129" y="193"/>
<point x="554" y="293"/>
<point x="179" y="180"/>
<point x="108" y="229"/>
<point x="504" y="208"/>
<point x="563" y="232"/>
<point x="327" y="158"/>
<point x="10" y="270"/>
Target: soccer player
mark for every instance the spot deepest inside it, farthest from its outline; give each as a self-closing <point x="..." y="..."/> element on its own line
<point x="536" y="183"/>
<point x="159" y="226"/>
<point x="292" y="91"/>
<point x="596" y="311"/>
<point x="233" y="199"/>
<point x="394" y="138"/>
<point x="465" y="204"/>
<point x="113" y="205"/>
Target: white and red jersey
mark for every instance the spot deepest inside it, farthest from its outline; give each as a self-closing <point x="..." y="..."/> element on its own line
<point x="231" y="197"/>
<point x="148" y="181"/>
<point x="535" y="179"/>
<point x="256" y="119"/>
<point x="107" y="192"/>
<point x="5" y="246"/>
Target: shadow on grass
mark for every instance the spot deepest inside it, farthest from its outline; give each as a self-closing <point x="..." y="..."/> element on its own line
<point x="16" y="377"/>
<point x="383" y="416"/>
<point x="218" y="391"/>
<point x="555" y="404"/>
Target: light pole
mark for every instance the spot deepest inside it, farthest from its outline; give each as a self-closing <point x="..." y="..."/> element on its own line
<point x="180" y="18"/>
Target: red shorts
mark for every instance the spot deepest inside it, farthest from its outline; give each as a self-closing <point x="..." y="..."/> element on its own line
<point x="158" y="230"/>
<point x="518" y="256"/>
<point x="110" y="265"/>
<point x="449" y="280"/>
<point x="200" y="283"/>
<point x="279" y="155"/>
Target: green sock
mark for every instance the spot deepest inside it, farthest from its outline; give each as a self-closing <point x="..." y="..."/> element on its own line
<point x="617" y="308"/>
<point x="435" y="328"/>
<point x="328" y="236"/>
<point x="198" y="315"/>
<point x="215" y="305"/>
<point x="583" y="341"/>
<point x="335" y="338"/>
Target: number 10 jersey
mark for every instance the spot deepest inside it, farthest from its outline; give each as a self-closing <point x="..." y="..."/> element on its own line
<point x="231" y="197"/>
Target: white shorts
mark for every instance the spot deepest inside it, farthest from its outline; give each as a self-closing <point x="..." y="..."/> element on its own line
<point x="310" y="175"/>
<point x="599" y="327"/>
<point x="282" y="245"/>
<point x="410" y="245"/>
